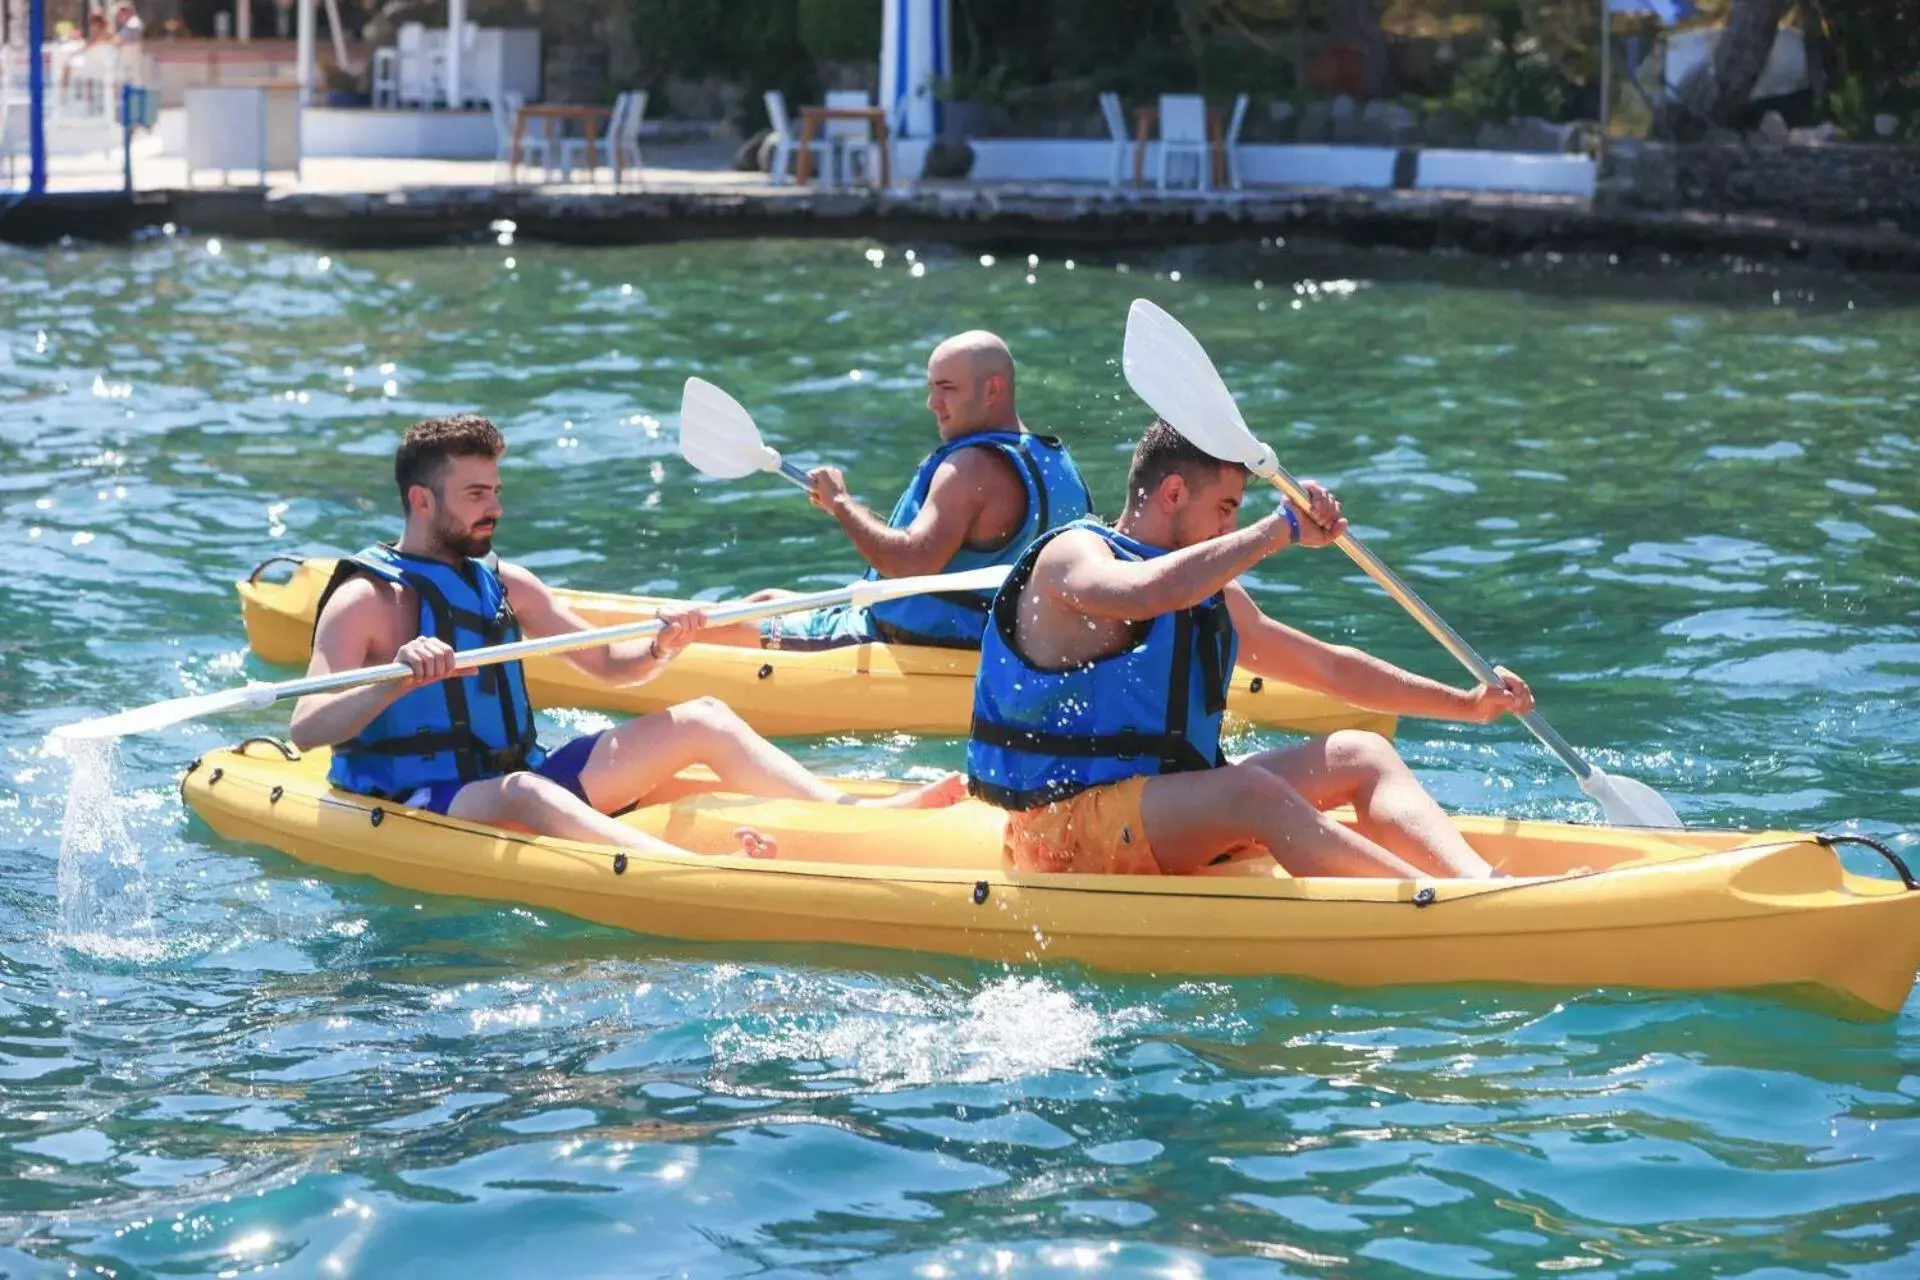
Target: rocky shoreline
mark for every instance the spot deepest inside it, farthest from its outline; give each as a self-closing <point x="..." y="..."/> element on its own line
<point x="975" y="214"/>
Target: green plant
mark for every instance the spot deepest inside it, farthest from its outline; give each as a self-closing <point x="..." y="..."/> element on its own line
<point x="1516" y="76"/>
<point x="991" y="86"/>
<point x="840" y="30"/>
<point x="1850" y="105"/>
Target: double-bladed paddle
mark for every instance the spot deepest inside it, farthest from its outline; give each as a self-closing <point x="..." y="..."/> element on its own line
<point x="1168" y="368"/>
<point x="718" y="436"/>
<point x="159" y="715"/>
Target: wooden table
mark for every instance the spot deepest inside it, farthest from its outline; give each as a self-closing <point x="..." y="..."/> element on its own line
<point x="552" y="114"/>
<point x="1147" y="119"/>
<point x="812" y="117"/>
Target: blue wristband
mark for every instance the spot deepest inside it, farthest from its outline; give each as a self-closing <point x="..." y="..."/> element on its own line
<point x="1293" y="521"/>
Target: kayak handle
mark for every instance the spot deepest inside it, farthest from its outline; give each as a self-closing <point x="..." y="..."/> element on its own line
<point x="1899" y="864"/>
<point x="295" y="561"/>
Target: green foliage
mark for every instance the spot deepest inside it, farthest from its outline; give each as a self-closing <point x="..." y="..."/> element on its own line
<point x="1516" y="76"/>
<point x="1851" y="105"/>
<point x="756" y="40"/>
<point x="840" y="30"/>
<point x="991" y="86"/>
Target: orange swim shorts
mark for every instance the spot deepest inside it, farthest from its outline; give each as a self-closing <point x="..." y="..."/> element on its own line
<point x="1095" y="832"/>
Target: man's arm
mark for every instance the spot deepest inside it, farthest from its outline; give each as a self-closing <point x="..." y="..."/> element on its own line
<point x="974" y="497"/>
<point x="1279" y="652"/>
<point x="343" y="640"/>
<point x="627" y="662"/>
<point x="1079" y="570"/>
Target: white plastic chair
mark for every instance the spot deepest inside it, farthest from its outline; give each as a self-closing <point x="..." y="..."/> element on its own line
<point x="861" y="155"/>
<point x="848" y="138"/>
<point x="415" y="87"/>
<point x="786" y="139"/>
<point x="623" y="136"/>
<point x="1116" y="118"/>
<point x="386" y="77"/>
<point x="622" y="139"/>
<point x="1183" y="133"/>
<point x="1231" y="143"/>
<point x="506" y="116"/>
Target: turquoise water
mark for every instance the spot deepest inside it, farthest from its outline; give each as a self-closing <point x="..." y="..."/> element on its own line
<point x="1686" y="508"/>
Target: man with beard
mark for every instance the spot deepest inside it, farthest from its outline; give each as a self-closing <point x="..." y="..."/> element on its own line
<point x="460" y="741"/>
<point x="1096" y="716"/>
<point x="979" y="499"/>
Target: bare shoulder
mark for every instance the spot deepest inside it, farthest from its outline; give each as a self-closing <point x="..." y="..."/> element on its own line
<point x="987" y="469"/>
<point x="363" y="600"/>
<point x="518" y="578"/>
<point x="365" y="619"/>
<point x="1066" y="550"/>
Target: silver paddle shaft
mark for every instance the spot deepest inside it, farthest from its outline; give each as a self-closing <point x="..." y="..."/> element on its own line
<point x="1436" y="627"/>
<point x="520" y="650"/>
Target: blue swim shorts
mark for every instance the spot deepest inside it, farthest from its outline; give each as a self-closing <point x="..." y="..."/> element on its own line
<point x="831" y="628"/>
<point x="562" y="766"/>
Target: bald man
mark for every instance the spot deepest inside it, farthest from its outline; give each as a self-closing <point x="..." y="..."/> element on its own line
<point x="981" y="498"/>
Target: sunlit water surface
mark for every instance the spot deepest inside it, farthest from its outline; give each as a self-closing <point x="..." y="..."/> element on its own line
<point x="1688" y="511"/>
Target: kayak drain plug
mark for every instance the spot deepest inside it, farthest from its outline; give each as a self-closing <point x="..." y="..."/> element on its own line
<point x="215" y="776"/>
<point x="979" y="892"/>
<point x="377" y="817"/>
<point x="1257" y="684"/>
<point x="273" y="796"/>
<point x="620" y="864"/>
<point x="1424" y="898"/>
<point x="766" y="669"/>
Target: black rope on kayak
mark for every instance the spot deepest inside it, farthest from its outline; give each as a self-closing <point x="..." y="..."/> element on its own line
<point x="287" y="750"/>
<point x="260" y="568"/>
<point x="1899" y="864"/>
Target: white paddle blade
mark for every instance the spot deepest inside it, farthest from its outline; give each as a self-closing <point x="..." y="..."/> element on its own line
<point x="162" y="714"/>
<point x="1627" y="803"/>
<point x="1168" y="368"/>
<point x="988" y="579"/>
<point x="718" y="436"/>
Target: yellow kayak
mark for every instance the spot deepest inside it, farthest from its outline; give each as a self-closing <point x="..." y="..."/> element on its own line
<point x="1589" y="907"/>
<point x="862" y="688"/>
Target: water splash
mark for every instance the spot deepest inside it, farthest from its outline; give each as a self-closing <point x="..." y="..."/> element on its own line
<point x="106" y="903"/>
<point x="1013" y="1027"/>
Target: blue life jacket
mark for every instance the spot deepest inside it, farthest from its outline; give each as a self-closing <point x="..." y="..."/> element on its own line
<point x="1154" y="707"/>
<point x="478" y="726"/>
<point x="1055" y="495"/>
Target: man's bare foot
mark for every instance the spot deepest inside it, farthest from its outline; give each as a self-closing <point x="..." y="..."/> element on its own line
<point x="932" y="795"/>
<point x="756" y="844"/>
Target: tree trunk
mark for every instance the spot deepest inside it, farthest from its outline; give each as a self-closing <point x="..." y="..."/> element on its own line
<point x="1720" y="89"/>
<point x="1357" y="22"/>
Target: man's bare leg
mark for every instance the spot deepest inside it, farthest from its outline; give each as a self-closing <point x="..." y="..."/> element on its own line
<point x="629" y="762"/>
<point x="1352" y="766"/>
<point x="1192" y="818"/>
<point x="544" y="807"/>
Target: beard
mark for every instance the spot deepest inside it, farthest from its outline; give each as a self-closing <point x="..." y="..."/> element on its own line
<point x="472" y="542"/>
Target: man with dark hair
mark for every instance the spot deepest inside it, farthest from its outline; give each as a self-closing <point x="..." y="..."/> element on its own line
<point x="460" y="741"/>
<point x="1102" y="681"/>
<point x="979" y="499"/>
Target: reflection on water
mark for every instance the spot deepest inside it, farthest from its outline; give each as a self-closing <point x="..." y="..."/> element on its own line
<point x="1691" y="522"/>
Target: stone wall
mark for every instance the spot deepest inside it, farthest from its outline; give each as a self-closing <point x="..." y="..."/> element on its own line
<point x="1834" y="182"/>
